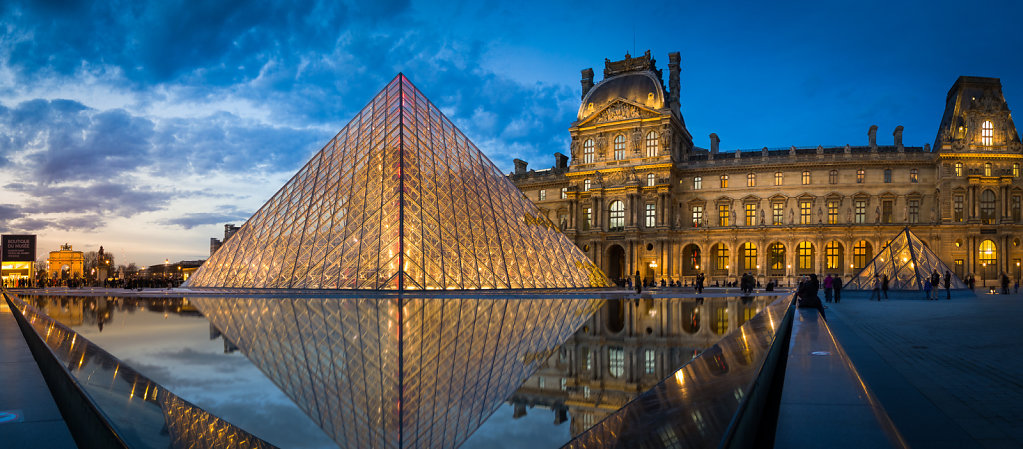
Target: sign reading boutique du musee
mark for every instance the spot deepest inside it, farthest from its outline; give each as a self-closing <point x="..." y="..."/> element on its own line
<point x="19" y="248"/>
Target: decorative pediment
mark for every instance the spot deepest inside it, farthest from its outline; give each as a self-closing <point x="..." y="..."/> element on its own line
<point x="619" y="110"/>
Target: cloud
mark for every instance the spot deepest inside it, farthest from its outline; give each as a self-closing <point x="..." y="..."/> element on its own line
<point x="191" y="220"/>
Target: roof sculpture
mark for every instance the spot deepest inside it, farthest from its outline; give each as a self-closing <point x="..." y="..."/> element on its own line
<point x="400" y="199"/>
<point x="907" y="262"/>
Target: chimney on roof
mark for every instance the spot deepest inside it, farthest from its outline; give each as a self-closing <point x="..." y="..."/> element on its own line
<point x="520" y="166"/>
<point x="674" y="84"/>
<point x="872" y="134"/>
<point x="714" y="142"/>
<point x="587" y="81"/>
<point x="898" y="138"/>
<point x="560" y="162"/>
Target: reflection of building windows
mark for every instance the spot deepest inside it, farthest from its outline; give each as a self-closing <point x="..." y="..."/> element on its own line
<point x="698" y="183"/>
<point x="651" y="144"/>
<point x="861" y="211"/>
<point x="751" y="180"/>
<point x="914" y="210"/>
<point x="987" y="207"/>
<point x="616" y="216"/>
<point x="832" y="211"/>
<point x="805" y="216"/>
<point x="806" y="177"/>
<point x="589" y="359"/>
<point x="619" y="147"/>
<point x="861" y="254"/>
<point x="749" y="256"/>
<point x="987" y="169"/>
<point x="616" y="360"/>
<point x="777" y="213"/>
<point x="651" y="179"/>
<point x="542" y="195"/>
<point x="987" y="133"/>
<point x="776" y="256"/>
<point x="723" y="218"/>
<point x="651" y="215"/>
<point x="589" y="218"/>
<point x="778" y="178"/>
<point x="697" y="216"/>
<point x="860" y="175"/>
<point x="833" y="177"/>
<point x="833" y="255"/>
<point x="649" y="361"/>
<point x="724" y="181"/>
<point x="564" y="193"/>
<point x="586" y="185"/>
<point x="887" y="175"/>
<point x="886" y="211"/>
<point x="914" y="175"/>
<point x="751" y="214"/>
<point x="588" y="151"/>
<point x="958" y="170"/>
<point x="1015" y="169"/>
<point x="805" y="256"/>
<point x="957" y="208"/>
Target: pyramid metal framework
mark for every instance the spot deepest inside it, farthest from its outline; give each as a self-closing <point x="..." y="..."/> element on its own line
<point x="401" y="370"/>
<point x="907" y="262"/>
<point x="399" y="199"/>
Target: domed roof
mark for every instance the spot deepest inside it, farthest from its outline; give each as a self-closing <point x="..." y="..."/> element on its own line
<point x="639" y="87"/>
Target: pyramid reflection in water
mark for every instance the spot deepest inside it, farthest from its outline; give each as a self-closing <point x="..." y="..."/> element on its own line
<point x="400" y="199"/>
<point x="907" y="262"/>
<point x="391" y="370"/>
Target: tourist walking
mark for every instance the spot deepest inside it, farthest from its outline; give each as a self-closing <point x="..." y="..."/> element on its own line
<point x="927" y="289"/>
<point x="828" y="285"/>
<point x="884" y="286"/>
<point x="972" y="282"/>
<point x="935" y="278"/>
<point x="1005" y="284"/>
<point x="876" y="291"/>
<point x="639" y="283"/>
<point x="948" y="285"/>
<point x="836" y="285"/>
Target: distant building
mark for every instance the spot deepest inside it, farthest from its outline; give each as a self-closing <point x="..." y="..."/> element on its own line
<point x="65" y="264"/>
<point x="229" y="230"/>
<point x="639" y="196"/>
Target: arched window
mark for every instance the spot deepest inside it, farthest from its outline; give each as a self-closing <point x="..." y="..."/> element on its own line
<point x="588" y="151"/>
<point x="749" y="256"/>
<point x="698" y="183"/>
<point x="987" y="169"/>
<point x="751" y="180"/>
<point x="987" y="133"/>
<point x="619" y="147"/>
<point x="862" y="253"/>
<point x="586" y="185"/>
<point x="616" y="216"/>
<point x="833" y="255"/>
<point x="914" y="175"/>
<point x="987" y="207"/>
<point x="987" y="253"/>
<point x="776" y="258"/>
<point x="724" y="181"/>
<point x="651" y="179"/>
<point x="833" y="177"/>
<point x="805" y="256"/>
<point x="651" y="144"/>
<point x="806" y="177"/>
<point x="959" y="169"/>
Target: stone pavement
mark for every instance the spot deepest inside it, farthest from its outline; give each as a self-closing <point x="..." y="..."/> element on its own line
<point x="949" y="373"/>
<point x="28" y="415"/>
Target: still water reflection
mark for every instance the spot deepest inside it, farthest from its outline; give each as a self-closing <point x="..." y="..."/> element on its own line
<point x="625" y="348"/>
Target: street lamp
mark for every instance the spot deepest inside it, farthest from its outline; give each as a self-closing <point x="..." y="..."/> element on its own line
<point x="983" y="273"/>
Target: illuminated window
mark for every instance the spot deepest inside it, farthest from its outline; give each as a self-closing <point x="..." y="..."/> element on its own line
<point x="778" y="178"/>
<point x="751" y="214"/>
<point x="887" y="175"/>
<point x="651" y="144"/>
<point x="832" y="211"/>
<point x="805" y="256"/>
<point x="987" y="169"/>
<point x="723" y="215"/>
<point x="958" y="169"/>
<point x="776" y="256"/>
<point x="1015" y="170"/>
<point x="987" y="133"/>
<point x="751" y="180"/>
<point x="588" y="151"/>
<point x="586" y="185"/>
<point x="649" y="361"/>
<point x="914" y="175"/>
<point x="804" y="212"/>
<point x="833" y="177"/>
<point x="861" y="211"/>
<point x="564" y="193"/>
<point x="777" y="213"/>
<point x="833" y="255"/>
<point x="988" y="253"/>
<point x="616" y="216"/>
<point x="749" y="256"/>
<point x="724" y="181"/>
<point x="543" y="195"/>
<point x="616" y="360"/>
<point x="721" y="257"/>
<point x="698" y="183"/>
<point x="987" y="207"/>
<point x="861" y="254"/>
<point x="806" y="177"/>
<point x="860" y="175"/>
<point x="619" y="147"/>
<point x="886" y="211"/>
<point x="651" y="179"/>
<point x="697" y="216"/>
<point x="651" y="215"/>
<point x="914" y="210"/>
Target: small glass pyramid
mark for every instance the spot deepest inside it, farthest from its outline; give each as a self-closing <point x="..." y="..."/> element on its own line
<point x="907" y="262"/>
<point x="400" y="199"/>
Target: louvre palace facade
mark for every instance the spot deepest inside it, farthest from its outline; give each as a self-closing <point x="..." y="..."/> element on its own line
<point x="639" y="196"/>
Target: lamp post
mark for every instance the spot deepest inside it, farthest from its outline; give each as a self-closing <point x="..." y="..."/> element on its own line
<point x="983" y="273"/>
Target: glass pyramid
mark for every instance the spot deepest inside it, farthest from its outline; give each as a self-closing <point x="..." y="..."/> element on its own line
<point x="907" y="262"/>
<point x="398" y="370"/>
<point x="400" y="199"/>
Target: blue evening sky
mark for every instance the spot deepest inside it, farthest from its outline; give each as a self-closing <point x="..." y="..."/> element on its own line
<point x="144" y="126"/>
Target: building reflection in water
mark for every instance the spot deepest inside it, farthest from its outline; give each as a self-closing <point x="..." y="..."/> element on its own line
<point x="101" y="310"/>
<point x="141" y="412"/>
<point x="626" y="348"/>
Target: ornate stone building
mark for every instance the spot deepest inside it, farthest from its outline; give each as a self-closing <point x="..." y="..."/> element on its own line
<point x="638" y="196"/>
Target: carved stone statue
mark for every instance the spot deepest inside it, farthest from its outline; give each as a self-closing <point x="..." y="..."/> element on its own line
<point x="761" y="216"/>
<point x="820" y="215"/>
<point x="792" y="216"/>
<point x="877" y="214"/>
<point x="872" y="135"/>
<point x="848" y="215"/>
